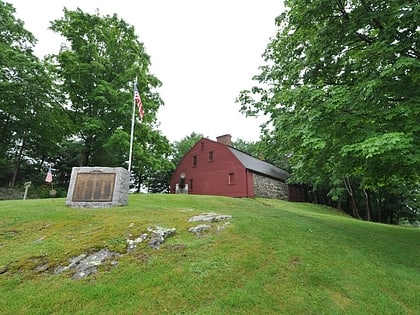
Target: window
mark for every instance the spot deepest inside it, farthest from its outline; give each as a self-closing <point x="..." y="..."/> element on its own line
<point x="202" y="146"/>
<point x="194" y="160"/>
<point x="190" y="186"/>
<point x="211" y="156"/>
<point x="231" y="178"/>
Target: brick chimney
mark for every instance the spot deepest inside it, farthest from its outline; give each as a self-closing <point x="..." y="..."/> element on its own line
<point x="225" y="139"/>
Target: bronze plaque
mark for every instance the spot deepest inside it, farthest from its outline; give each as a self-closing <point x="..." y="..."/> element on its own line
<point x="94" y="187"/>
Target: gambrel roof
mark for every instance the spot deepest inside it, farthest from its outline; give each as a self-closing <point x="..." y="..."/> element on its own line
<point x="259" y="166"/>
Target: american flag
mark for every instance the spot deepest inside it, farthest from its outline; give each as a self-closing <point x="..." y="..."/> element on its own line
<point x="137" y="99"/>
<point x="49" y="178"/>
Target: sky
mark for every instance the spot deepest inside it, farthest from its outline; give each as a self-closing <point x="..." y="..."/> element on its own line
<point x="203" y="51"/>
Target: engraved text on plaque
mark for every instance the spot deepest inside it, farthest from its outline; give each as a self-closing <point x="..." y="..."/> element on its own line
<point x="94" y="187"/>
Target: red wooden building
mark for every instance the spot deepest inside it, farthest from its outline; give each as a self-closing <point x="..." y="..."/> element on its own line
<point x="216" y="168"/>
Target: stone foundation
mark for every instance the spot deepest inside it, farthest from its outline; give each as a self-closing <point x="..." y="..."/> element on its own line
<point x="266" y="187"/>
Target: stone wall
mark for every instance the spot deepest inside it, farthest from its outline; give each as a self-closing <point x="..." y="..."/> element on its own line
<point x="266" y="187"/>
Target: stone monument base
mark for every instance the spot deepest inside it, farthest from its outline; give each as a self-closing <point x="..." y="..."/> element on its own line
<point x="98" y="187"/>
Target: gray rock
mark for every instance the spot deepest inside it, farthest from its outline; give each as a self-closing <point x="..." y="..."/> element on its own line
<point x="210" y="217"/>
<point x="156" y="240"/>
<point x="85" y="265"/>
<point x="132" y="244"/>
<point x="199" y="228"/>
<point x="158" y="236"/>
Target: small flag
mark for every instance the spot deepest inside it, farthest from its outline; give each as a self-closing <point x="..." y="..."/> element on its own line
<point x="137" y="99"/>
<point x="49" y="178"/>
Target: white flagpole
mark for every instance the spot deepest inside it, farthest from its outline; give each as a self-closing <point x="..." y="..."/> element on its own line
<point x="130" y="155"/>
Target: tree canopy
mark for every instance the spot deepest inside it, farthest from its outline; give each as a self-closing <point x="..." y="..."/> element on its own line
<point x="74" y="108"/>
<point x="97" y="67"/>
<point x="341" y="89"/>
<point x="32" y="122"/>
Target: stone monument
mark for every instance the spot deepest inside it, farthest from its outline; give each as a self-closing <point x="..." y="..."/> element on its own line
<point x="98" y="187"/>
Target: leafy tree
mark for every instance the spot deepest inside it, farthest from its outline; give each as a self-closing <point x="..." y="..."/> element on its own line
<point x="152" y="165"/>
<point x="248" y="147"/>
<point x="69" y="156"/>
<point x="32" y="122"/>
<point x="97" y="66"/>
<point x="341" y="90"/>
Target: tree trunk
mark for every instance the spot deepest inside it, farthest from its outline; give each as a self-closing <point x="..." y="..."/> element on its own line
<point x="139" y="184"/>
<point x="315" y="197"/>
<point x="354" y="207"/>
<point x="367" y="205"/>
<point x="349" y="189"/>
<point x="85" y="156"/>
<point x="18" y="159"/>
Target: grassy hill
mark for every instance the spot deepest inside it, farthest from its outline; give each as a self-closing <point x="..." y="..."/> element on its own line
<point x="274" y="257"/>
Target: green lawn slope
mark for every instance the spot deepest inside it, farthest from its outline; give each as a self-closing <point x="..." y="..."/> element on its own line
<point x="272" y="257"/>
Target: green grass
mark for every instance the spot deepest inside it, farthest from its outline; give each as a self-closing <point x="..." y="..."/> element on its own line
<point x="275" y="257"/>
